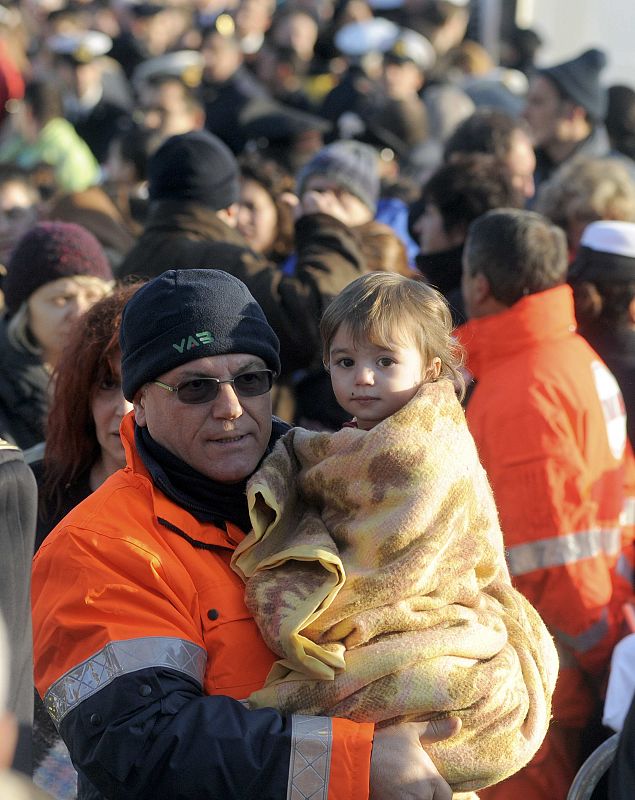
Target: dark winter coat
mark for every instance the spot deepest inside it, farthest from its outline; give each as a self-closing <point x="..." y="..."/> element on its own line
<point x="186" y="236"/>
<point x="23" y="393"/>
<point x="18" y="506"/>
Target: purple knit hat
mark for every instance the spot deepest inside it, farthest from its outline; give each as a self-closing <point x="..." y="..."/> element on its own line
<point x="47" y="252"/>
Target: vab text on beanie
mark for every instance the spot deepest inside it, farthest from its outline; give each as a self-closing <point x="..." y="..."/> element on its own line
<point x="47" y="252"/>
<point x="186" y="314"/>
<point x="579" y="80"/>
<point x="351" y="165"/>
<point x="195" y="166"/>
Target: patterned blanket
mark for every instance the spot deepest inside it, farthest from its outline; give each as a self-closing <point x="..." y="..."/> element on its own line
<point x="376" y="571"/>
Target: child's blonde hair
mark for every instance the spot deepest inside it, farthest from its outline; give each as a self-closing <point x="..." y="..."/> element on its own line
<point x="384" y="308"/>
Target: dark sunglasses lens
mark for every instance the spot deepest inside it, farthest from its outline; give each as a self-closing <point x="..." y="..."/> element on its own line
<point x="251" y="384"/>
<point x="199" y="390"/>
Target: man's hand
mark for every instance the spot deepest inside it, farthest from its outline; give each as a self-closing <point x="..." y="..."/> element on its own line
<point x="400" y="769"/>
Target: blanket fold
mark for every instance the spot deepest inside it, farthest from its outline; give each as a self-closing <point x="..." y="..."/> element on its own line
<point x="376" y="571"/>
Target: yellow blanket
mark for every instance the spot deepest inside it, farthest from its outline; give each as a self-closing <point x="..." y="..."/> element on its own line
<point x="376" y="570"/>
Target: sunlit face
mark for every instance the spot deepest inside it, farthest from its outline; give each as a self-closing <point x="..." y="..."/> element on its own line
<point x="403" y="80"/>
<point x="164" y="108"/>
<point x="223" y="439"/>
<point x="18" y="213"/>
<point x="54" y="307"/>
<point x="433" y="237"/>
<point x="257" y="216"/>
<point x="108" y="407"/>
<point x="522" y="163"/>
<point x="371" y="381"/>
<point x="543" y="111"/>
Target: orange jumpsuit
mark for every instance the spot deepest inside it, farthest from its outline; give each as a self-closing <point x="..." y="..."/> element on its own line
<point x="141" y="637"/>
<point x="549" y="423"/>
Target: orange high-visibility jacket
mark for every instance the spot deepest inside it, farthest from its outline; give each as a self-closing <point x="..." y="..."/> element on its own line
<point x="137" y="619"/>
<point x="549" y="423"/>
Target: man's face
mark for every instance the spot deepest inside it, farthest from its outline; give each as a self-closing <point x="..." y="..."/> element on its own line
<point x="431" y="232"/>
<point x="223" y="439"/>
<point x="522" y="163"/>
<point x="544" y="111"/>
<point x="164" y="109"/>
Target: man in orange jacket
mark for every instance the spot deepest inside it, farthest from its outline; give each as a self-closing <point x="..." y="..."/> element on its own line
<point x="143" y="645"/>
<point x="549" y="424"/>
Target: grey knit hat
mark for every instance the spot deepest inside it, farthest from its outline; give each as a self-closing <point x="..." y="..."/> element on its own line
<point x="349" y="164"/>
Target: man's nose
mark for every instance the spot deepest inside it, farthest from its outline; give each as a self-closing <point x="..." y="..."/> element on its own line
<point x="227" y="405"/>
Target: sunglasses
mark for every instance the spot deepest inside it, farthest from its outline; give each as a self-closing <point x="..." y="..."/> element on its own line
<point x="204" y="390"/>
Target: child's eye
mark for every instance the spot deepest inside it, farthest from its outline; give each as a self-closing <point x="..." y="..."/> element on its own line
<point x="345" y="362"/>
<point x="386" y="361"/>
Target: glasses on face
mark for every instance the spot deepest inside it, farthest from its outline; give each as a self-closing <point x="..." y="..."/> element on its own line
<point x="204" y="390"/>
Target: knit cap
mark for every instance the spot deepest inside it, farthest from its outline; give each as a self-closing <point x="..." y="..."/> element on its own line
<point x="186" y="314"/>
<point x="579" y="80"/>
<point x="195" y="166"/>
<point x="606" y="254"/>
<point x="47" y="252"/>
<point x="350" y="165"/>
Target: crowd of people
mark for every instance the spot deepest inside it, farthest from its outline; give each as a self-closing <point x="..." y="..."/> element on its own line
<point x="317" y="382"/>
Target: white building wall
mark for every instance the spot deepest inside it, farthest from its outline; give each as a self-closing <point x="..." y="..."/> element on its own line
<point x="570" y="26"/>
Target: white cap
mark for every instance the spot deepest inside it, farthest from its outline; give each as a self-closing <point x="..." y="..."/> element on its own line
<point x="617" y="238"/>
<point x="371" y="35"/>
<point x="81" y="47"/>
<point x="187" y="65"/>
<point x="412" y="46"/>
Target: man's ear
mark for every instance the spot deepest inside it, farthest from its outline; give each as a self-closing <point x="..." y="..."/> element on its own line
<point x="229" y="215"/>
<point x="481" y="290"/>
<point x="8" y="739"/>
<point x="588" y="302"/>
<point x="138" y="403"/>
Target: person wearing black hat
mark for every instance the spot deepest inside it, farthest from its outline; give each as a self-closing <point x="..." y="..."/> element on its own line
<point x="192" y="223"/>
<point x="565" y="109"/>
<point x="144" y="656"/>
<point x="56" y="271"/>
<point x="603" y="280"/>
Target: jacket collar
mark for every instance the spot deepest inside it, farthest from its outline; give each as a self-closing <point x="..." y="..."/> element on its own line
<point x="534" y="320"/>
<point x="165" y="509"/>
<point x="191" y="218"/>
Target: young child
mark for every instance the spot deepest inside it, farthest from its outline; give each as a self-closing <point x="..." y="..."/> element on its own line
<point x="376" y="568"/>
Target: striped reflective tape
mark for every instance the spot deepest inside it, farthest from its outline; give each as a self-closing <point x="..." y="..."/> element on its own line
<point x="311" y="745"/>
<point x="121" y="658"/>
<point x="559" y="550"/>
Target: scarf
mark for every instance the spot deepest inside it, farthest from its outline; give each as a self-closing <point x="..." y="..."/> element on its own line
<point x="206" y="499"/>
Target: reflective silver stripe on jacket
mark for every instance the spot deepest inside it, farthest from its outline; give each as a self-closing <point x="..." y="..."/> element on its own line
<point x="559" y="550"/>
<point x="121" y="658"/>
<point x="627" y="516"/>
<point x="589" y="638"/>
<point x="311" y="745"/>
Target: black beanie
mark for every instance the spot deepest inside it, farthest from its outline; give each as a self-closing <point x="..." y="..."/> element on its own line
<point x="185" y="314"/>
<point x="579" y="80"/>
<point x="50" y="251"/>
<point x="194" y="166"/>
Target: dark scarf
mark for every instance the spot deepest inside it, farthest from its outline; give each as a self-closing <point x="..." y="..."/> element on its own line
<point x="205" y="499"/>
<point x="443" y="269"/>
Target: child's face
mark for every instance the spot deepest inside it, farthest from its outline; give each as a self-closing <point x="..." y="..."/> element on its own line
<point x="370" y="381"/>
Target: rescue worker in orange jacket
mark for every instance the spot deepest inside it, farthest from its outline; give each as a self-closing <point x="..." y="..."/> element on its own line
<point x="143" y="645"/>
<point x="548" y="420"/>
